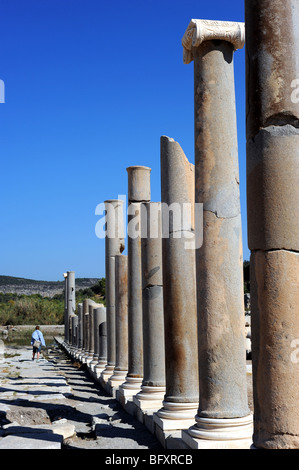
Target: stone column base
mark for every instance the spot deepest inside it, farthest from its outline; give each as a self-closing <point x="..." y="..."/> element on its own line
<point x="118" y="378"/>
<point x="176" y="416"/>
<point x="149" y="398"/>
<point x="106" y="374"/>
<point x="209" y="433"/>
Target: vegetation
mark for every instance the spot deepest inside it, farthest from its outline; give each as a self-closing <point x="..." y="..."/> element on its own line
<point x="34" y="309"/>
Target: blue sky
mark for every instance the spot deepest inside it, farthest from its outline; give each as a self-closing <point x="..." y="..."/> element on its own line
<point x="90" y="86"/>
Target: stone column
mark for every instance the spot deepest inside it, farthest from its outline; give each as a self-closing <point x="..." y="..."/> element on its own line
<point x="66" y="330"/>
<point x="80" y="330"/>
<point x="138" y="192"/>
<point x="153" y="385"/>
<point x="179" y="290"/>
<point x="114" y="245"/>
<point x="71" y="294"/>
<point x="272" y="73"/>
<point x="223" y="417"/>
<point x="90" y="360"/>
<point x="101" y="344"/>
<point x="74" y="330"/>
<point x="121" y="321"/>
<point x="86" y="341"/>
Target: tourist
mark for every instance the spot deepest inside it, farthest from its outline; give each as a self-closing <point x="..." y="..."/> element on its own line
<point x="37" y="341"/>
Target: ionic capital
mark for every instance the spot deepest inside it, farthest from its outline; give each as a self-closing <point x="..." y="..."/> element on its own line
<point x="199" y="31"/>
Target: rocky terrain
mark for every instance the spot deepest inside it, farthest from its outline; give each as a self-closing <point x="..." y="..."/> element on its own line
<point x="17" y="285"/>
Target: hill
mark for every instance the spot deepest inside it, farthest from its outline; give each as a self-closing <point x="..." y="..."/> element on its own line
<point x="22" y="286"/>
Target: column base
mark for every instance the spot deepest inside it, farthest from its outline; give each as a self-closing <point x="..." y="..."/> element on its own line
<point x="149" y="398"/>
<point x="118" y="378"/>
<point x="98" y="369"/>
<point x="176" y="416"/>
<point x="106" y="374"/>
<point x="212" y="433"/>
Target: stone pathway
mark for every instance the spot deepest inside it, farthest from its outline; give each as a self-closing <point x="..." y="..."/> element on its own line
<point x="52" y="404"/>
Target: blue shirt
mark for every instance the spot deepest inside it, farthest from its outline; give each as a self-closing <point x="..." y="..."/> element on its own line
<point x="38" y="336"/>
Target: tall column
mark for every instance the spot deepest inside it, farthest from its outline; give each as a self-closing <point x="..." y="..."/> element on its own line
<point x="121" y="321"/>
<point x="223" y="418"/>
<point x="90" y="360"/>
<point x="114" y="245"/>
<point x="272" y="73"/>
<point x="71" y="296"/>
<point x="80" y="330"/>
<point x="153" y="385"/>
<point x="101" y="343"/>
<point x="138" y="192"/>
<point x="86" y="339"/>
<point x="66" y="330"/>
<point x="179" y="289"/>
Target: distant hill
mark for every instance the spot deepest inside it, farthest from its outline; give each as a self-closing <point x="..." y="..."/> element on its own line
<point x="19" y="285"/>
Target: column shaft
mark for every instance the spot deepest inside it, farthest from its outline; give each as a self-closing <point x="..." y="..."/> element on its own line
<point x="272" y="71"/>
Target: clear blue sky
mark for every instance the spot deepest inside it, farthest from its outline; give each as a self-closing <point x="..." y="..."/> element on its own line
<point x="90" y="86"/>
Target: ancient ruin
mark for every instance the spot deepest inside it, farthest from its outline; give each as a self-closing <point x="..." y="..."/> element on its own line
<point x="171" y="343"/>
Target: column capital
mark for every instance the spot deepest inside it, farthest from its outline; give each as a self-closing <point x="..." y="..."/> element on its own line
<point x="199" y="31"/>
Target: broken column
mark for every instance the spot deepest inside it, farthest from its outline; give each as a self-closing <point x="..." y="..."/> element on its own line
<point x="121" y="322"/>
<point x="114" y="245"/>
<point x="179" y="289"/>
<point x="138" y="192"/>
<point x="153" y="385"/>
<point x="223" y="418"/>
<point x="272" y="73"/>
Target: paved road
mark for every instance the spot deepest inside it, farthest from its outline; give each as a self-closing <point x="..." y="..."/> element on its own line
<point x="51" y="404"/>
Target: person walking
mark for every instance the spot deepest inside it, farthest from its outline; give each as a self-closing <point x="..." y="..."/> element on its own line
<point x="37" y="341"/>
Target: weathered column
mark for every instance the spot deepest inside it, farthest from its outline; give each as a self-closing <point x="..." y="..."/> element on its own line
<point x="138" y="192"/>
<point x="66" y="331"/>
<point x="179" y="289"/>
<point x="121" y="321"/>
<point x="272" y="74"/>
<point x="91" y="360"/>
<point x="114" y="245"/>
<point x="86" y="336"/>
<point x="223" y="418"/>
<point x="153" y="385"/>
<point x="80" y="330"/>
<point x="71" y="296"/>
<point x="74" y="330"/>
<point x="101" y="343"/>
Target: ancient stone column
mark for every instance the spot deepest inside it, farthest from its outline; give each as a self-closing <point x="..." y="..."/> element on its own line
<point x="71" y="294"/>
<point x="272" y="76"/>
<point x="86" y="336"/>
<point x="66" y="332"/>
<point x="179" y="289"/>
<point x="90" y="360"/>
<point x="153" y="385"/>
<point x="101" y="344"/>
<point x="74" y="330"/>
<point x="121" y="321"/>
<point x="223" y="414"/>
<point x="80" y="330"/>
<point x="138" y="192"/>
<point x="114" y="245"/>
